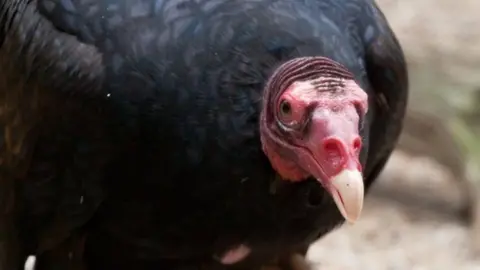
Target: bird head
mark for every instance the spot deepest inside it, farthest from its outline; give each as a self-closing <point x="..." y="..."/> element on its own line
<point x="310" y="127"/>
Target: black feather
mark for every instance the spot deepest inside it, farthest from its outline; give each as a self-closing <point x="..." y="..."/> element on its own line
<point x="134" y="124"/>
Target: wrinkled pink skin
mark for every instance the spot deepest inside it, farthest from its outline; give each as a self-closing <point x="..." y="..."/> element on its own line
<point x="322" y="128"/>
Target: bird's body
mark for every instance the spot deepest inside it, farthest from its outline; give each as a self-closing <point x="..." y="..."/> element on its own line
<point x="135" y="123"/>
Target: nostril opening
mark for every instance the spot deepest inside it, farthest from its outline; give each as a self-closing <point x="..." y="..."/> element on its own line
<point x="357" y="144"/>
<point x="331" y="146"/>
<point x="334" y="151"/>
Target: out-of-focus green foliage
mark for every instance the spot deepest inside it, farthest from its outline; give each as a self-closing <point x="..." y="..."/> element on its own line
<point x="457" y="103"/>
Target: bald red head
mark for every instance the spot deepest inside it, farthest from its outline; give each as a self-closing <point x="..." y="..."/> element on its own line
<point x="310" y="128"/>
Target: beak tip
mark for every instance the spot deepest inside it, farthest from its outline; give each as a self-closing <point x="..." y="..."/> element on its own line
<point x="352" y="220"/>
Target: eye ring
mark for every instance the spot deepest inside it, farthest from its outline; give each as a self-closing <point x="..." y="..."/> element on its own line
<point x="285" y="107"/>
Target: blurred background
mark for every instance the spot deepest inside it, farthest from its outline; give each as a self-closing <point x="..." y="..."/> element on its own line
<point x="422" y="212"/>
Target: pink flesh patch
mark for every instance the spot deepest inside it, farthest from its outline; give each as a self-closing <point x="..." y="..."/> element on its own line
<point x="321" y="92"/>
<point x="235" y="255"/>
<point x="332" y="142"/>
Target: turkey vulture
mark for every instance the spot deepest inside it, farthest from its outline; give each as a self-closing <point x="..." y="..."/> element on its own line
<point x="213" y="134"/>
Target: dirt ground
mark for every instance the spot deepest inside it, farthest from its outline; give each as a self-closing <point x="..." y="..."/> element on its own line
<point x="439" y="33"/>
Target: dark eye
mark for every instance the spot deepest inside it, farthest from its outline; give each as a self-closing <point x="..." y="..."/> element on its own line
<point x="285" y="108"/>
<point x="290" y="115"/>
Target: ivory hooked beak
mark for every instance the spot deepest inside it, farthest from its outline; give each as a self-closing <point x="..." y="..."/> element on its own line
<point x="347" y="190"/>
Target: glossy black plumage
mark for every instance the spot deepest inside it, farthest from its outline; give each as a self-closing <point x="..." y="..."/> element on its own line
<point x="134" y="123"/>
